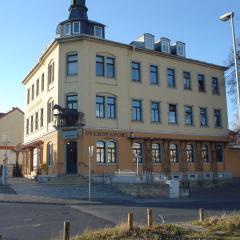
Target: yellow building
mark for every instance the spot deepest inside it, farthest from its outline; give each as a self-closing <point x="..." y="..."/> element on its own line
<point x="145" y="107"/>
<point x="11" y="136"/>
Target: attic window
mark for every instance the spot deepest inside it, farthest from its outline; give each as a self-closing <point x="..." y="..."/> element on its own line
<point x="165" y="46"/>
<point x="98" y="31"/>
<point x="67" y="29"/>
<point x="149" y="43"/>
<point x="76" y="27"/>
<point x="181" y="50"/>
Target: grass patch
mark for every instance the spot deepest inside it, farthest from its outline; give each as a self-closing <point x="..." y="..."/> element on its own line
<point x="140" y="233"/>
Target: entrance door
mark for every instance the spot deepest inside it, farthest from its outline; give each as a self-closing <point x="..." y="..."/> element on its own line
<point x="71" y="157"/>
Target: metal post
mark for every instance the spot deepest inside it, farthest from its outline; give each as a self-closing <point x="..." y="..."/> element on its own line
<point x="130" y="221"/>
<point x="149" y="218"/>
<point x="137" y="165"/>
<point x="89" y="174"/>
<point x="236" y="65"/>
<point x="201" y="214"/>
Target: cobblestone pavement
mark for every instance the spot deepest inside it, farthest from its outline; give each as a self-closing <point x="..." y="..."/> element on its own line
<point x="98" y="192"/>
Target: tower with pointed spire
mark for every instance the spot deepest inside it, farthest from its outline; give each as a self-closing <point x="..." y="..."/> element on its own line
<point x="78" y="22"/>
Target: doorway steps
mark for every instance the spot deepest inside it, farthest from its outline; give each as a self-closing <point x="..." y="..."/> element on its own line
<point x="63" y="180"/>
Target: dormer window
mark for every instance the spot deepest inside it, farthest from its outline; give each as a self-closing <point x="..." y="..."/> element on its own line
<point x="98" y="31"/>
<point x="149" y="43"/>
<point x="76" y="27"/>
<point x="165" y="46"/>
<point x="181" y="49"/>
<point x="67" y="29"/>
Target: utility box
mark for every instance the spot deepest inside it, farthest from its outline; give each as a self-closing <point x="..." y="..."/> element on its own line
<point x="174" y="189"/>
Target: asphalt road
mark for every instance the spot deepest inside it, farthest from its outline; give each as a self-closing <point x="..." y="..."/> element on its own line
<point x="45" y="221"/>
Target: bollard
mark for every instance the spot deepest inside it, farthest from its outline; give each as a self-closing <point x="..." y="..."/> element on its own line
<point x="0" y="237"/>
<point x="149" y="218"/>
<point x="66" y="231"/>
<point x="130" y="222"/>
<point x="201" y="214"/>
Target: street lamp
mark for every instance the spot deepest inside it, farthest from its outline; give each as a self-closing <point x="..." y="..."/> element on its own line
<point x="224" y="18"/>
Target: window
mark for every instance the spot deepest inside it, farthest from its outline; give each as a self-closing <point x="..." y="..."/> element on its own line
<point x="28" y="96"/>
<point x="136" y="72"/>
<point x="36" y="121"/>
<point x="50" y="73"/>
<point x="205" y="153"/>
<point x="98" y="31"/>
<point x="149" y="43"/>
<point x="137" y="151"/>
<point x="181" y="50"/>
<point x="72" y="102"/>
<point x="41" y="117"/>
<point x="111" y="107"/>
<point x="215" y="86"/>
<point x="50" y="111"/>
<point x="50" y="154"/>
<point x="173" y="152"/>
<point x="201" y="83"/>
<point x="171" y="78"/>
<point x="156" y="153"/>
<point x="155" y="112"/>
<point x="190" y="153"/>
<point x="172" y="114"/>
<point x="111" y="150"/>
<point x="217" y="118"/>
<point x="154" y="74"/>
<point x="42" y="82"/>
<point x="76" y="27"/>
<point x="100" y="152"/>
<point x="27" y="126"/>
<point x="166" y="46"/>
<point x="100" y="106"/>
<point x="219" y="153"/>
<point x="203" y="117"/>
<point x="72" y="64"/>
<point x="136" y="110"/>
<point x="100" y="66"/>
<point x="33" y="92"/>
<point x="67" y="29"/>
<point x="187" y="81"/>
<point x="188" y="115"/>
<point x="32" y="123"/>
<point x="37" y="88"/>
<point x="106" y="152"/>
<point x="110" y="67"/>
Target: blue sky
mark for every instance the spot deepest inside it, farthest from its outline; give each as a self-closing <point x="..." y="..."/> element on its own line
<point x="27" y="26"/>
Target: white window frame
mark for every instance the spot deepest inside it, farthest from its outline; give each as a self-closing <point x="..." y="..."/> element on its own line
<point x="165" y="44"/>
<point x="149" y="43"/>
<point x="79" y="27"/>
<point x="67" y="33"/>
<point x="181" y="50"/>
<point x="98" y="27"/>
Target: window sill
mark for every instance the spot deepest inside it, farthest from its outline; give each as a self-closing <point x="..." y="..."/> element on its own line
<point x="106" y="164"/>
<point x="136" y="81"/>
<point x="187" y="89"/>
<point x="189" y="125"/>
<point x="137" y="121"/>
<point x="156" y="123"/>
<point x="174" y="124"/>
<point x="204" y="126"/>
<point x="218" y="127"/>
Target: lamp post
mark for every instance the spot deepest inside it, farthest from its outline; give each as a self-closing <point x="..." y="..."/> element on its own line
<point x="224" y="18"/>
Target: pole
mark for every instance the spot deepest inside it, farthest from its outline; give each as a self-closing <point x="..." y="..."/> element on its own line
<point x="89" y="173"/>
<point x="66" y="231"/>
<point x="236" y="66"/>
<point x="137" y="165"/>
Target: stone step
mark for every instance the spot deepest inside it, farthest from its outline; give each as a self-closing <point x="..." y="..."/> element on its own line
<point x="63" y="180"/>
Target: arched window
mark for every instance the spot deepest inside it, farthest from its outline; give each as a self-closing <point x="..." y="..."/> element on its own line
<point x="156" y="153"/>
<point x="100" y="152"/>
<point x="137" y="152"/>
<point x="219" y="153"/>
<point x="205" y="153"/>
<point x="190" y="153"/>
<point x="173" y="152"/>
<point x="50" y="154"/>
<point x="111" y="148"/>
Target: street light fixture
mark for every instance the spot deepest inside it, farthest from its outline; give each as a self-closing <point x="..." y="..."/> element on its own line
<point x="224" y="18"/>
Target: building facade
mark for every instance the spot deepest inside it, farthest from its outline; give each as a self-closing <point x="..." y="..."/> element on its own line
<point x="145" y="107"/>
<point x="11" y="137"/>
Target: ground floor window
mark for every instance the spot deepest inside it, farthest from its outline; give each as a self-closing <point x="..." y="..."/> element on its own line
<point x="137" y="151"/>
<point x="173" y="152"/>
<point x="190" y="153"/>
<point x="106" y="152"/>
<point x="219" y="153"/>
<point x="205" y="153"/>
<point x="50" y="154"/>
<point x="156" y="153"/>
